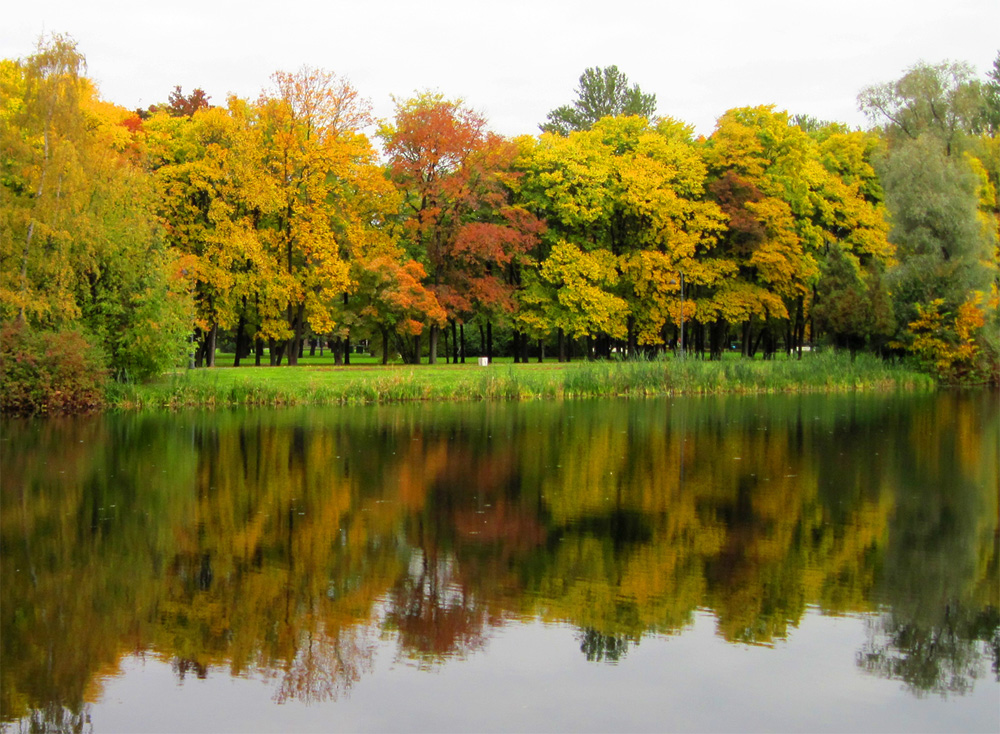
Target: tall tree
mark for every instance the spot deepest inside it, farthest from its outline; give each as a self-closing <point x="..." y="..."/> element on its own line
<point x="764" y="172"/>
<point x="635" y="192"/>
<point x="316" y="163"/>
<point x="943" y="247"/>
<point x="602" y="92"/>
<point x="940" y="180"/>
<point x="944" y="100"/>
<point x="459" y="221"/>
<point x="79" y="243"/>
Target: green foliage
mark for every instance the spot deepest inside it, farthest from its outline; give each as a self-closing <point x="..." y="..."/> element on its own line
<point x="48" y="372"/>
<point x="944" y="100"/>
<point x="853" y="303"/>
<point x="942" y="245"/>
<point x="991" y="98"/>
<point x="79" y="245"/>
<point x="603" y="92"/>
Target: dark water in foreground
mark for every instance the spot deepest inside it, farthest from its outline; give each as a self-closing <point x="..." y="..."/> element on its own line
<point x="818" y="563"/>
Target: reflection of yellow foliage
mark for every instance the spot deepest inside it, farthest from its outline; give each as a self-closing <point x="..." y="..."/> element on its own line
<point x="285" y="543"/>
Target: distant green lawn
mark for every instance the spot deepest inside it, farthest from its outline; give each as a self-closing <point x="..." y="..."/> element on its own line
<point x="315" y="371"/>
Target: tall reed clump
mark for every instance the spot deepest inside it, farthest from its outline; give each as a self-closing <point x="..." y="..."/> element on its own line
<point x="507" y="383"/>
<point x="816" y="372"/>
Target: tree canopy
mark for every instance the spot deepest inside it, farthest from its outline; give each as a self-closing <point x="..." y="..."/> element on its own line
<point x="602" y="92"/>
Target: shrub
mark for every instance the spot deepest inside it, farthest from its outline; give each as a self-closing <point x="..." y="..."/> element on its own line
<point x="49" y="372"/>
<point x="960" y="346"/>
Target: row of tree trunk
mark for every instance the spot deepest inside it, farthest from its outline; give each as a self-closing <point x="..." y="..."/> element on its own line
<point x="701" y="340"/>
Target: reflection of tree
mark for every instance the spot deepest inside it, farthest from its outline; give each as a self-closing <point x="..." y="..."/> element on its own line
<point x="939" y="585"/>
<point x="600" y="648"/>
<point x="55" y="719"/>
<point x="81" y="542"/>
<point x="278" y="567"/>
<point x="942" y="659"/>
<point x="326" y="666"/>
<point x="436" y="618"/>
<point x="279" y="542"/>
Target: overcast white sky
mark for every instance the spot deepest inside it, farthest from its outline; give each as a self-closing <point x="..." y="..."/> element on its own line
<point x="516" y="60"/>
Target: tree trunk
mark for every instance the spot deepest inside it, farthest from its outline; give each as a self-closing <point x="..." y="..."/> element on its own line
<point x="747" y="336"/>
<point x="433" y="346"/>
<point x="541" y="351"/>
<point x="199" y="349"/>
<point x="562" y="345"/>
<point x="800" y="328"/>
<point x="719" y="332"/>
<point x="291" y="349"/>
<point x="210" y="345"/>
<point x="517" y="347"/>
<point x="293" y="346"/>
<point x="239" y="340"/>
<point x="385" y="345"/>
<point x="338" y="351"/>
<point x="347" y="350"/>
<point x="489" y="341"/>
<point x="461" y="331"/>
<point x="632" y="346"/>
<point x="258" y="351"/>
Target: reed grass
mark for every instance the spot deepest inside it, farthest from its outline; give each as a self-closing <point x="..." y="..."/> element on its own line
<point x="303" y="385"/>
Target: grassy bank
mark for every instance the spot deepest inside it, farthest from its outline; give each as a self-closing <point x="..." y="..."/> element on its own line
<point x="320" y="385"/>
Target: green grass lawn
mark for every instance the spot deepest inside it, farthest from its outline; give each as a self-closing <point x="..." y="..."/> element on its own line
<point x="317" y="381"/>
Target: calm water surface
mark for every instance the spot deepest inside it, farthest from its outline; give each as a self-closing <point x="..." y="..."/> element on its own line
<point x="819" y="563"/>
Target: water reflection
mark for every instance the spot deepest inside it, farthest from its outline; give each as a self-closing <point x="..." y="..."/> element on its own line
<point x="293" y="544"/>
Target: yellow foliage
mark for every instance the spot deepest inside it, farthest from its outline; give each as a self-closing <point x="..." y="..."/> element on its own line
<point x="949" y="344"/>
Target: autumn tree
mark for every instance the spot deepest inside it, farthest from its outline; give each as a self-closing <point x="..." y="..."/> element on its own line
<point x="850" y="298"/>
<point x="192" y="170"/>
<point x="392" y="296"/>
<point x="178" y="104"/>
<point x="79" y="243"/>
<point x="602" y="92"/>
<point x="458" y="217"/>
<point x="317" y="166"/>
<point x="761" y="167"/>
<point x="632" y="195"/>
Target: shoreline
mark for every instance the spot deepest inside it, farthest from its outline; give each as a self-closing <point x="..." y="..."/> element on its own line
<point x="364" y="384"/>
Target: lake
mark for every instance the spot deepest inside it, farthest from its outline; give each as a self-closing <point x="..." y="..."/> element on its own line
<point x="814" y="562"/>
